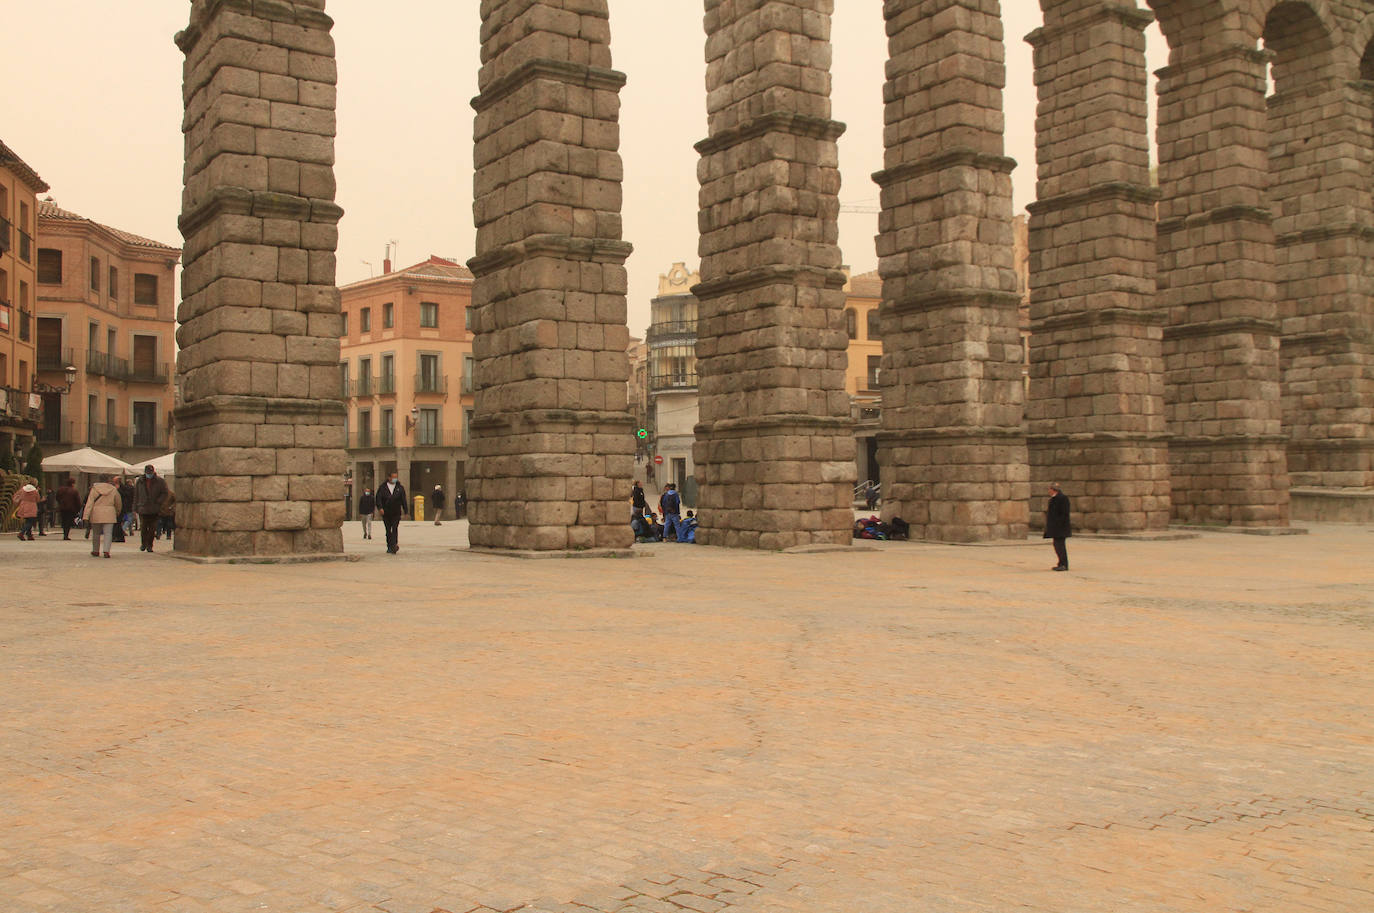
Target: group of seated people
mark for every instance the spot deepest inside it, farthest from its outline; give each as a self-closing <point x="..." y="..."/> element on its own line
<point x="648" y="529"/>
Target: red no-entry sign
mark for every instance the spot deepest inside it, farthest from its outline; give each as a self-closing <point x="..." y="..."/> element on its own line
<point x="658" y="460"/>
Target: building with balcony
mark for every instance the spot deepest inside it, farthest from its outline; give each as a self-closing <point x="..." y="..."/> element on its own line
<point x="106" y="309"/>
<point x="407" y="372"/>
<point x="20" y="412"/>
<point x="672" y="381"/>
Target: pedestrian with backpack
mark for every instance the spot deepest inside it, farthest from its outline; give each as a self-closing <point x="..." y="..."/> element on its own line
<point x="670" y="503"/>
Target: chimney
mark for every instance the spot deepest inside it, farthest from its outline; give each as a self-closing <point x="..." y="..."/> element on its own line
<point x="386" y="266"/>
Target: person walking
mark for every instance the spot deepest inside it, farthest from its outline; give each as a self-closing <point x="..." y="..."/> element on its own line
<point x="46" y="505"/>
<point x="436" y="504"/>
<point x="150" y="496"/>
<point x="26" y="501"/>
<point x="125" y="524"/>
<point x="367" y="506"/>
<point x="460" y="505"/>
<point x="670" y="504"/>
<point x="870" y="494"/>
<point x="391" y="501"/>
<point x="102" y="513"/>
<point x="68" y="506"/>
<point x="1057" y="526"/>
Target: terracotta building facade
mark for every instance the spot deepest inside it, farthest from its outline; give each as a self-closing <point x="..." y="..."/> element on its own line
<point x="106" y="307"/>
<point x="407" y="368"/>
<point x="20" y="412"/>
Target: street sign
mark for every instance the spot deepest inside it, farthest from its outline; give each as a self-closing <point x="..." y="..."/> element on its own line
<point x="658" y="460"/>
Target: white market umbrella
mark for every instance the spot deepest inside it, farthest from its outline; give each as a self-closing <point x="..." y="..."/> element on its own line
<point x="165" y="465"/>
<point x="86" y="459"/>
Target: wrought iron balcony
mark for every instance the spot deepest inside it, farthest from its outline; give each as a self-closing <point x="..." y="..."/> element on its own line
<point x="157" y="373"/>
<point x="681" y="381"/>
<point x="55" y="359"/>
<point x="679" y="331"/>
<point x="25" y="247"/>
<point x="5" y="242"/>
<point x="386" y="384"/>
<point x="431" y="383"/>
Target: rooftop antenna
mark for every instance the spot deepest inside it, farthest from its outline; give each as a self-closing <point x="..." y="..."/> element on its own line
<point x="370" y="270"/>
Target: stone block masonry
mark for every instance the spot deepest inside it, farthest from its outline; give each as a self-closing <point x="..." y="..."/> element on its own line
<point x="260" y="429"/>
<point x="1216" y="284"/>
<point x="552" y="452"/>
<point x="952" y="445"/>
<point x="775" y="447"/>
<point x="1095" y="416"/>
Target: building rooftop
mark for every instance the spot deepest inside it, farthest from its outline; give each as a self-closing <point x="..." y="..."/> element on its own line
<point x="435" y="269"/>
<point x="9" y="159"/>
<point x="48" y="209"/>
<point x="866" y="285"/>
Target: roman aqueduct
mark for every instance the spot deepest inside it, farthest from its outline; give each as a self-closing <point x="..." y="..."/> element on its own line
<point x="1202" y="346"/>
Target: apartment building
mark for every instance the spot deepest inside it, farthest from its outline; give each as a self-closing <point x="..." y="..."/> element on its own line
<point x="407" y="370"/>
<point x="105" y="339"/>
<point x="20" y="412"/>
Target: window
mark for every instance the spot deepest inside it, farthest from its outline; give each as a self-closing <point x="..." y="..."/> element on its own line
<point x="429" y="314"/>
<point x="111" y="341"/>
<point x="22" y="381"/>
<point x="388" y="429"/>
<point x="364" y="427"/>
<point x="49" y="266"/>
<point x="875" y="324"/>
<point x="467" y="425"/>
<point x="95" y="274"/>
<point x="467" y="318"/>
<point x="364" y="377"/>
<point x="428" y="380"/>
<point x="23" y="295"/>
<point x="851" y="323"/>
<point x="113" y="286"/>
<point x="427" y="427"/>
<point x="344" y="331"/>
<point x="365" y="320"/>
<point x="145" y="425"/>
<point x="469" y="364"/>
<point x="875" y="371"/>
<point x="145" y="288"/>
<point x="93" y="337"/>
<point x="388" y="315"/>
<point x="387" y="383"/>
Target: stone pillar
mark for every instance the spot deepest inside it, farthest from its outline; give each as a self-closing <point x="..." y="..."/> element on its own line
<point x="552" y="449"/>
<point x="1216" y="284"/>
<point x="1321" y="153"/>
<point x="261" y="432"/>
<point x="1095" y="415"/>
<point x="451" y="484"/>
<point x="774" y="446"/>
<point x="954" y="463"/>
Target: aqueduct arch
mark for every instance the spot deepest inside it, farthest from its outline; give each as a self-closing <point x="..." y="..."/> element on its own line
<point x="1171" y="326"/>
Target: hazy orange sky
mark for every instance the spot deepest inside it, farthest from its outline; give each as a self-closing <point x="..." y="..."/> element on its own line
<point x="93" y="103"/>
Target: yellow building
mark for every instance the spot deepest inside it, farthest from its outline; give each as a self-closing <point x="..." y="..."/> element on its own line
<point x="407" y="367"/>
<point x="19" y="415"/>
<point x="106" y="309"/>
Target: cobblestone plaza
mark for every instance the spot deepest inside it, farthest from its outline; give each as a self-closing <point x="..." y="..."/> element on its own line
<point x="1172" y="726"/>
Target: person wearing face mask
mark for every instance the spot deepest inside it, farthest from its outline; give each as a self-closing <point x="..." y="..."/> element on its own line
<point x="367" y="506"/>
<point x="150" y="497"/>
<point x="391" y="501"/>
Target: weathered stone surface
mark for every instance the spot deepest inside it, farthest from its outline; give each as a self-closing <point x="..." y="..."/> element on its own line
<point x="257" y="473"/>
<point x="771" y="342"/>
<point x="550" y="405"/>
<point x="953" y="444"/>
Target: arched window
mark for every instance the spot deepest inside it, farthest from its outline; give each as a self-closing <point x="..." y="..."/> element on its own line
<point x="875" y="325"/>
<point x="851" y="323"/>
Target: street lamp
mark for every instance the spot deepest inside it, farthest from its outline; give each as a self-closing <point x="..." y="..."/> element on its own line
<point x="40" y="387"/>
<point x="412" y="419"/>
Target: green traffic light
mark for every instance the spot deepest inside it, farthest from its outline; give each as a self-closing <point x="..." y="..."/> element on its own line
<point x="642" y="433"/>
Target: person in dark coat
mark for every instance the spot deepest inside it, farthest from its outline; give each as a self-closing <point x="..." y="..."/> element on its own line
<point x="125" y="524"/>
<point x="637" y="501"/>
<point x="367" y="506"/>
<point x="150" y="497"/>
<point x="1057" y="526"/>
<point x="68" y="506"/>
<point x="436" y="503"/>
<point x="391" y="501"/>
<point x="460" y="505"/>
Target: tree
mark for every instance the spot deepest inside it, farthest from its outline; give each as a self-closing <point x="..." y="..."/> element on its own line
<point x="33" y="463"/>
